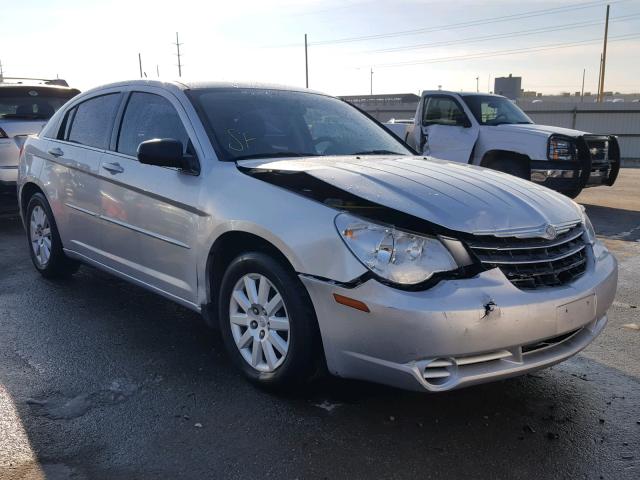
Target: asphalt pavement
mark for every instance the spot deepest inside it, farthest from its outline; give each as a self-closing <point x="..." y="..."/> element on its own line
<point x="101" y="379"/>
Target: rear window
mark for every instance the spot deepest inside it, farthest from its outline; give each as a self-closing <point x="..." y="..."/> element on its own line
<point x="32" y="103"/>
<point x="92" y="121"/>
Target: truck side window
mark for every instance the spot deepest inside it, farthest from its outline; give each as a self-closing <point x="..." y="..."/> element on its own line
<point x="443" y="111"/>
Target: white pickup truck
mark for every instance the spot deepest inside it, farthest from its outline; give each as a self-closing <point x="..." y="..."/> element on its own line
<point x="492" y="131"/>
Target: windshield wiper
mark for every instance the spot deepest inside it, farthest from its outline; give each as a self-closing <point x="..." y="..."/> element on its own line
<point x="276" y="155"/>
<point x="378" y="152"/>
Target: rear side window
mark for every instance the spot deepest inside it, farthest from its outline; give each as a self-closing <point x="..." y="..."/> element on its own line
<point x="91" y="125"/>
<point x="146" y="117"/>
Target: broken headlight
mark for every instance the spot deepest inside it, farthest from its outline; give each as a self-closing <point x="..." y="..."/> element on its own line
<point x="397" y="256"/>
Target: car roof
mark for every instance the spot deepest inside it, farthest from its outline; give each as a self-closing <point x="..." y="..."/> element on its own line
<point x="198" y="84"/>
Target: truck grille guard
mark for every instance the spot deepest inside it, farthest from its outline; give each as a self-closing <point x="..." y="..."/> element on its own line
<point x="598" y="153"/>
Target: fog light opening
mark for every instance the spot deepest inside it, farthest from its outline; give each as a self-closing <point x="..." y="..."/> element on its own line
<point x="440" y="372"/>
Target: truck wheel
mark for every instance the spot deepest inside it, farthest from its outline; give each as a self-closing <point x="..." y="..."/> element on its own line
<point x="45" y="246"/>
<point x="572" y="193"/>
<point x="267" y="322"/>
<point x="516" y="166"/>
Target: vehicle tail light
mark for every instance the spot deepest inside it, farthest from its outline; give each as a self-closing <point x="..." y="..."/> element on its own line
<point x="3" y="134"/>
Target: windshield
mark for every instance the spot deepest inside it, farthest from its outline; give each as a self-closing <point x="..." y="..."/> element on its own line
<point x="32" y="103"/>
<point x="492" y="110"/>
<point x="261" y="123"/>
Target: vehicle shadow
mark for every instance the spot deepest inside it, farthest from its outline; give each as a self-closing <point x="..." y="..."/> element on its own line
<point x="110" y="381"/>
<point x="615" y="223"/>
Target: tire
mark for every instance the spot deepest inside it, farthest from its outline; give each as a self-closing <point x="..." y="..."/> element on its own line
<point x="572" y="193"/>
<point x="269" y="367"/>
<point x="43" y="237"/>
<point x="512" y="166"/>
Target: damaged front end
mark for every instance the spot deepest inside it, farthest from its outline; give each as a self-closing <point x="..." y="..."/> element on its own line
<point x="391" y="237"/>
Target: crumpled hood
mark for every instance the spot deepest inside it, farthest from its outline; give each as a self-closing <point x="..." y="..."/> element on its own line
<point x="458" y="197"/>
<point x="533" y="128"/>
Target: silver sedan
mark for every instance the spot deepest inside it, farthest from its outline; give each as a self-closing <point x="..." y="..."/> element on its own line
<point x="312" y="237"/>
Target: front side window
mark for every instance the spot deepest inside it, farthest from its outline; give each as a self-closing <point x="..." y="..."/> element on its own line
<point x="443" y="111"/>
<point x="149" y="116"/>
<point x="259" y="123"/>
<point x="493" y="110"/>
<point x="93" y="120"/>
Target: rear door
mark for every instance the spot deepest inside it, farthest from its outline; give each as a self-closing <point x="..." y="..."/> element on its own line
<point x="448" y="132"/>
<point x="150" y="222"/>
<point x="70" y="174"/>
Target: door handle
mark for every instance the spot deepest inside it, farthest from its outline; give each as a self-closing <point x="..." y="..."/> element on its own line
<point x="56" y="152"/>
<point x="113" y="168"/>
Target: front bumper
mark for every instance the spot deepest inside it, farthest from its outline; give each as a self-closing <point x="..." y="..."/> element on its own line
<point x="460" y="332"/>
<point x="593" y="167"/>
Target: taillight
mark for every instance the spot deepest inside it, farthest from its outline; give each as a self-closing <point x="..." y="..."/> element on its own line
<point x="3" y="134"/>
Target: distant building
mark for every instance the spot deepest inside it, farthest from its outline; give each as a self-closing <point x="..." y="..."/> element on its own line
<point x="510" y="87"/>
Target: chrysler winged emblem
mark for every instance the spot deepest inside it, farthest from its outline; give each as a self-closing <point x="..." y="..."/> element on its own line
<point x="550" y="232"/>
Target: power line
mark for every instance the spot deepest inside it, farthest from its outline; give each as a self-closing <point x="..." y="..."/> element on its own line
<point x="568" y="26"/>
<point x="498" y="53"/>
<point x="471" y="23"/>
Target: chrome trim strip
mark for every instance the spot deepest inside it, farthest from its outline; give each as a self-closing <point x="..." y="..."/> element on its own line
<point x="83" y="210"/>
<point x="8" y="167"/>
<point x="130" y="227"/>
<point x="528" y="232"/>
<point x="529" y="262"/>
<point x="531" y="247"/>
<point x="145" y="232"/>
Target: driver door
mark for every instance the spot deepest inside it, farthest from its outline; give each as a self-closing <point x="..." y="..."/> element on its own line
<point x="447" y="131"/>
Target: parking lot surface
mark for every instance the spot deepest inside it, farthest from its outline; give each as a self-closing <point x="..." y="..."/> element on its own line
<point x="101" y="379"/>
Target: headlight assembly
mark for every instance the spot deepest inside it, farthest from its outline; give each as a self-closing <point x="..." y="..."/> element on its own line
<point x="562" y="148"/>
<point x="397" y="256"/>
<point x="589" y="232"/>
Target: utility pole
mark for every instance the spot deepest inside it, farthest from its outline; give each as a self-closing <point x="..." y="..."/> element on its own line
<point x="478" y="84"/>
<point x="140" y="64"/>
<point x="1" y="73"/>
<point x="371" y="82"/>
<point x="179" y="62"/>
<point x="599" y="80"/>
<point x="306" y="61"/>
<point x="584" y="70"/>
<point x="604" y="57"/>
<point x="157" y="70"/>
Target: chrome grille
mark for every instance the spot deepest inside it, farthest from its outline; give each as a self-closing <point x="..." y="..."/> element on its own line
<point x="534" y="263"/>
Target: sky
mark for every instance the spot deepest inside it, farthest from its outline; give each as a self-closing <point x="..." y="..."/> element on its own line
<point x="411" y="45"/>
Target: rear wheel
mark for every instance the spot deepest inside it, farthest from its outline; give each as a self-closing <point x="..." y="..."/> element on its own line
<point x="267" y="322"/>
<point x="45" y="246"/>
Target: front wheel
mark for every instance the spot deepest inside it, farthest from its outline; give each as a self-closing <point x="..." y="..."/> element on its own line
<point x="45" y="245"/>
<point x="267" y="322"/>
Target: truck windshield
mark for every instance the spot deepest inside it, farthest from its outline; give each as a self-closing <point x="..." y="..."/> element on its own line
<point x="32" y="103"/>
<point x="492" y="110"/>
<point x="247" y="123"/>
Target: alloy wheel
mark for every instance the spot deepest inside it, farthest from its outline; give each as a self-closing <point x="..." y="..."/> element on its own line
<point x="40" y="235"/>
<point x="259" y="322"/>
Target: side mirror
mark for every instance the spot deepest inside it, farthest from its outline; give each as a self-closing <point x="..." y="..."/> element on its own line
<point x="163" y="152"/>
